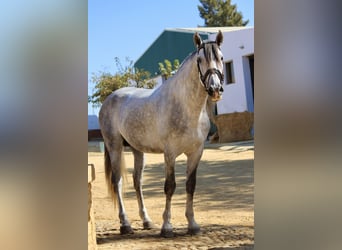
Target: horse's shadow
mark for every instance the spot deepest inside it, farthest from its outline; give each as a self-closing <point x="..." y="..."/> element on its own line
<point x="220" y="184"/>
<point x="113" y="235"/>
<point x="240" y="232"/>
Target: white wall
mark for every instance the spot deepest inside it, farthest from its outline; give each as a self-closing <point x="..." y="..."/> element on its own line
<point x="234" y="98"/>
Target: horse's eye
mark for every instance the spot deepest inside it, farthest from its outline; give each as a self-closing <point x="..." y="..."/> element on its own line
<point x="199" y="60"/>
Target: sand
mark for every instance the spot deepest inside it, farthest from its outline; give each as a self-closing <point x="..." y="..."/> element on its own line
<point x="223" y="202"/>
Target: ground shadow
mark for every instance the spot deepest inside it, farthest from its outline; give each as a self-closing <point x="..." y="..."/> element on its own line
<point x="226" y="233"/>
<point x="227" y="183"/>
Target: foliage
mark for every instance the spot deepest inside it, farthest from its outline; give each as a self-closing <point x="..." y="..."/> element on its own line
<point x="220" y="13"/>
<point x="142" y="79"/>
<point x="167" y="70"/>
<point x="106" y="83"/>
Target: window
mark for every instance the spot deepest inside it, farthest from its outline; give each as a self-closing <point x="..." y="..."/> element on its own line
<point x="230" y="78"/>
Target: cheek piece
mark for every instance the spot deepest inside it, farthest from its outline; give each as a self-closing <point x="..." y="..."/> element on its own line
<point x="205" y="78"/>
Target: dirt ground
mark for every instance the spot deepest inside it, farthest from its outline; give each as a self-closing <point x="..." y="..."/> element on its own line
<point x="223" y="202"/>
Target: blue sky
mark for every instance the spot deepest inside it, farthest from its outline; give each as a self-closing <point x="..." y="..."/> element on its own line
<point x="126" y="28"/>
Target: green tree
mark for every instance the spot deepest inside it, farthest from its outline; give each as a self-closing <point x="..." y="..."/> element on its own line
<point x="142" y="79"/>
<point x="220" y="13"/>
<point x="106" y="83"/>
<point x="168" y="69"/>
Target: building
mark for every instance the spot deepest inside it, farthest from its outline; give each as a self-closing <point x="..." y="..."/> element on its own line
<point x="94" y="132"/>
<point x="238" y="54"/>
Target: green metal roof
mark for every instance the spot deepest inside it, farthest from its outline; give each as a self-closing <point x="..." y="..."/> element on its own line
<point x="171" y="44"/>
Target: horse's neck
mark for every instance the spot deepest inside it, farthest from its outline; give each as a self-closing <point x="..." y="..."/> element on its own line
<point x="187" y="89"/>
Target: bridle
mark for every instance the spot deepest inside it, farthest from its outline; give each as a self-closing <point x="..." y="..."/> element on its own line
<point x="209" y="72"/>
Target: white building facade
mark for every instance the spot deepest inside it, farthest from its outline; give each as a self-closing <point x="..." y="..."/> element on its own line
<point x="238" y="55"/>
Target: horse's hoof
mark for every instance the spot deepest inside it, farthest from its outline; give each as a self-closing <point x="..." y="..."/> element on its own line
<point x="126" y="229"/>
<point x="166" y="233"/>
<point x="194" y="231"/>
<point x="148" y="225"/>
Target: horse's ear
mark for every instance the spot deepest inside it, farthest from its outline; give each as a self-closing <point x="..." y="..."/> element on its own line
<point x="219" y="38"/>
<point x="197" y="40"/>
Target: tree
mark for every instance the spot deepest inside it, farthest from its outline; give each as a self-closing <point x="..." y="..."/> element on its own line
<point x="220" y="13"/>
<point x="167" y="70"/>
<point x="106" y="83"/>
<point x="142" y="79"/>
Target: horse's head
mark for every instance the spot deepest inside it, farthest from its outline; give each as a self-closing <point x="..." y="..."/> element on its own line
<point x="210" y="65"/>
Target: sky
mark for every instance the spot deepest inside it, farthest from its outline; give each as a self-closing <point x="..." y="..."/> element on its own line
<point x="126" y="28"/>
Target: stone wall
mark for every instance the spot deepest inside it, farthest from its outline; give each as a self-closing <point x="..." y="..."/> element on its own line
<point x="91" y="219"/>
<point x="234" y="127"/>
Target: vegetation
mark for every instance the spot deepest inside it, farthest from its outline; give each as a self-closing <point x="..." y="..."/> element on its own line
<point x="168" y="69"/>
<point x="220" y="13"/>
<point x="106" y="83"/>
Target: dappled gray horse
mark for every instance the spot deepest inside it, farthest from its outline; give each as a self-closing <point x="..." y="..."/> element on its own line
<point x="171" y="119"/>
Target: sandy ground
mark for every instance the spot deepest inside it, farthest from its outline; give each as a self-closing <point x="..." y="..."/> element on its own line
<point x="223" y="202"/>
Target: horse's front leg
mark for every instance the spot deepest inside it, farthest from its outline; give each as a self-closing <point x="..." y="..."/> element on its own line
<point x="169" y="189"/>
<point x="192" y="164"/>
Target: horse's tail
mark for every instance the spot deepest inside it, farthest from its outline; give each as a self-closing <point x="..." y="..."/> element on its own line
<point x="111" y="174"/>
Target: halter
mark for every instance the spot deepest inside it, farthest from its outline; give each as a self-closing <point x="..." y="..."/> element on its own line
<point x="209" y="71"/>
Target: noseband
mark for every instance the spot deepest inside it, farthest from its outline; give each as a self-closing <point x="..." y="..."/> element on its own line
<point x="208" y="73"/>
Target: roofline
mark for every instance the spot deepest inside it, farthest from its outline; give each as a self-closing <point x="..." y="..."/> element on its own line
<point x="201" y="30"/>
<point x="210" y="30"/>
<point x="187" y="30"/>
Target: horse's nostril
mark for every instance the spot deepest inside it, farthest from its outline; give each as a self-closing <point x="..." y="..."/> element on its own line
<point x="221" y="89"/>
<point x="210" y="91"/>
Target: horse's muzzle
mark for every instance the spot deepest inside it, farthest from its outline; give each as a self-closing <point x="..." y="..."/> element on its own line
<point x="215" y="94"/>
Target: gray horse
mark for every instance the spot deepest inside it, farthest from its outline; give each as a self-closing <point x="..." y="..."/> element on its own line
<point x="172" y="119"/>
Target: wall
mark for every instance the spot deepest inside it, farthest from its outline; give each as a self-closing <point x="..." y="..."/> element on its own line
<point x="234" y="98"/>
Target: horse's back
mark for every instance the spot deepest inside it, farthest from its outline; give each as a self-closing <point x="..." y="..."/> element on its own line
<point x="121" y="97"/>
<point x="130" y="113"/>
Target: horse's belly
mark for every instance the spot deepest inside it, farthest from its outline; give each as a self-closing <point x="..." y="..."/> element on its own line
<point x="145" y="147"/>
<point x="144" y="142"/>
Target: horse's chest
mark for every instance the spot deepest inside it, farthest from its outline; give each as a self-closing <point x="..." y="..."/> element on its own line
<point x="191" y="128"/>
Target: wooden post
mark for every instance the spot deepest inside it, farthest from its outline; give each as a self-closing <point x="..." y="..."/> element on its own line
<point x="91" y="220"/>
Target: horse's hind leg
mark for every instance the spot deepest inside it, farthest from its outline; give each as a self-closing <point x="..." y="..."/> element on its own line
<point x="139" y="166"/>
<point x="117" y="164"/>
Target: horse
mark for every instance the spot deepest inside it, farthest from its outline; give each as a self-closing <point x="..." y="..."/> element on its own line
<point x="171" y="119"/>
